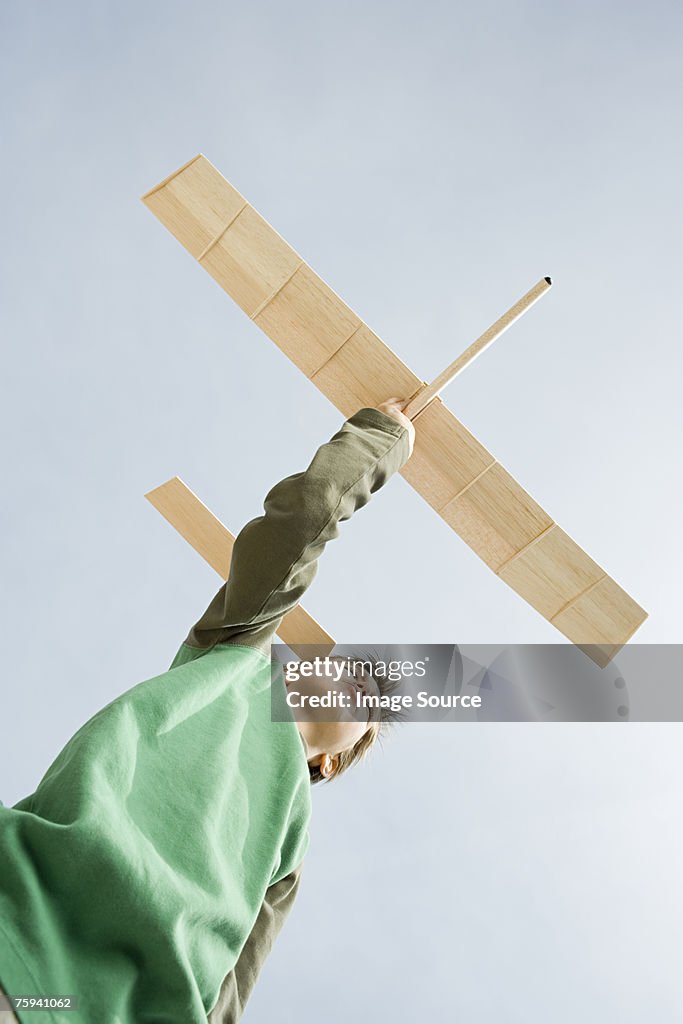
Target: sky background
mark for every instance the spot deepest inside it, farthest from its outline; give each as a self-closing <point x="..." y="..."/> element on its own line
<point x="431" y="162"/>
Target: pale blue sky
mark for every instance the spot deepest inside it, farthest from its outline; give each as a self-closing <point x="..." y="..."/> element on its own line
<point x="431" y="161"/>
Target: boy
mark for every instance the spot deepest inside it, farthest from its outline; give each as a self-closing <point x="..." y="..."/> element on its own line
<point x="151" y="870"/>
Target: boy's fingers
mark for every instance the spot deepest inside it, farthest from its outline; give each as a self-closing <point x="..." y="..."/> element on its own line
<point x="394" y="407"/>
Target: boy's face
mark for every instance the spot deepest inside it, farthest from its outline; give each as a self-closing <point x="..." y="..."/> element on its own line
<point x="325" y="738"/>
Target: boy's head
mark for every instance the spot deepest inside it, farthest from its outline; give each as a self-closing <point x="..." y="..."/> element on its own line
<point x="337" y="740"/>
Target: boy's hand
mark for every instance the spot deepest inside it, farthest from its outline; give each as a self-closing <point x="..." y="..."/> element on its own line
<point x="392" y="407"/>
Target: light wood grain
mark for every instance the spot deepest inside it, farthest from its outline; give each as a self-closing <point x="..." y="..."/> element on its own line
<point x="551" y="571"/>
<point x="307" y="320"/>
<point x="496" y="516"/>
<point x="364" y="372"/>
<point x="250" y="261"/>
<point x="601" y="620"/>
<point x="449" y="467"/>
<point x="446" y="457"/>
<point x="203" y="531"/>
<point x="195" y="204"/>
<point x="170" y="177"/>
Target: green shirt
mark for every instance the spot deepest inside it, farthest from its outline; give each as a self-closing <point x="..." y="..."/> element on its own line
<point x="151" y="868"/>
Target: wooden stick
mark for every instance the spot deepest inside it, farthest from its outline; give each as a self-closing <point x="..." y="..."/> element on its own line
<point x="424" y="396"/>
<point x="206" y="534"/>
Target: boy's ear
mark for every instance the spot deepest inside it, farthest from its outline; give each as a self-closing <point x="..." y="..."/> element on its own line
<point x="327" y="765"/>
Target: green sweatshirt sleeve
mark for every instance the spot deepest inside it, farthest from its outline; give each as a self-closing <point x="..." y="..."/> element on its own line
<point x="275" y="556"/>
<point x="239" y="983"/>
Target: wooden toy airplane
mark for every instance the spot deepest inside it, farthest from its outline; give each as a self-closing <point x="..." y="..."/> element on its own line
<point x="345" y="360"/>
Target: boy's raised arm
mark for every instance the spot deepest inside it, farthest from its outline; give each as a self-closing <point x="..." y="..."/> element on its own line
<point x="275" y="557"/>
